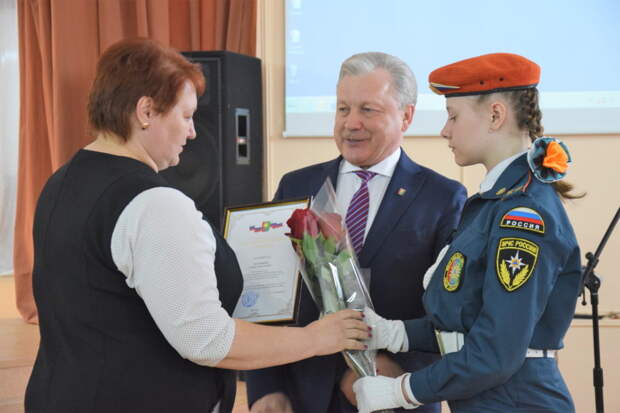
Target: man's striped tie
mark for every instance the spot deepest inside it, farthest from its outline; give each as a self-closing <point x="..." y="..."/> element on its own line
<point x="357" y="214"/>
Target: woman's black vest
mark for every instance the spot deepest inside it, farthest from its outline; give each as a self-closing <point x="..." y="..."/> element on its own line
<point x="100" y="349"/>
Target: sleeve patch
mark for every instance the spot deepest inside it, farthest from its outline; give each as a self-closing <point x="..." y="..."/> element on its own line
<point x="523" y="218"/>
<point x="453" y="273"/>
<point x="515" y="262"/>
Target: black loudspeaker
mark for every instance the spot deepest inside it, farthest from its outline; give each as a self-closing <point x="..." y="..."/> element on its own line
<point x="223" y="166"/>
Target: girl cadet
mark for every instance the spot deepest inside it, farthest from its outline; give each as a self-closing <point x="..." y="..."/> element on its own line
<point x="502" y="295"/>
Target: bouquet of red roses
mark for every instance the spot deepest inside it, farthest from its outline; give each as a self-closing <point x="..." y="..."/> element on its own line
<point x="329" y="265"/>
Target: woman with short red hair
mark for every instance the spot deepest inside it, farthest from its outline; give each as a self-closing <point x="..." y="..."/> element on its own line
<point x="134" y="289"/>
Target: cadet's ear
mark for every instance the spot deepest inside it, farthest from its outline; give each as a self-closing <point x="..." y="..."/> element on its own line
<point x="497" y="113"/>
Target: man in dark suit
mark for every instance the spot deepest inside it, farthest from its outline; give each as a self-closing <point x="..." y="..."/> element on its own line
<point x="411" y="213"/>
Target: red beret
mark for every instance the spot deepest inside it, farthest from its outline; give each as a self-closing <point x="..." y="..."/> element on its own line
<point x="488" y="73"/>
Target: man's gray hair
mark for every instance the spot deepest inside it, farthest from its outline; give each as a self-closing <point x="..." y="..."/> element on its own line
<point x="403" y="79"/>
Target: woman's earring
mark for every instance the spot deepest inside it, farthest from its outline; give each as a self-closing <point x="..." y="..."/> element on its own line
<point x="145" y="125"/>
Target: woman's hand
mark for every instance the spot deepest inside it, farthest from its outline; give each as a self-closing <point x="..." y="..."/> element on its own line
<point x="256" y="346"/>
<point x="343" y="330"/>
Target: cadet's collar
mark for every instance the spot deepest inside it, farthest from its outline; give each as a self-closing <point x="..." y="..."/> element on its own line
<point x="511" y="176"/>
<point x="494" y="174"/>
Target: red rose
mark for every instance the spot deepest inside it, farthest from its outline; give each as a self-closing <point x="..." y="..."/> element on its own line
<point x="331" y="225"/>
<point x="303" y="221"/>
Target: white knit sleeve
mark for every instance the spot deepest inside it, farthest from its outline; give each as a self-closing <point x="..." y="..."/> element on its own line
<point x="167" y="252"/>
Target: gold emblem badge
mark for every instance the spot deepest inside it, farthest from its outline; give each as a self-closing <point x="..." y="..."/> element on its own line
<point x="453" y="271"/>
<point x="515" y="262"/>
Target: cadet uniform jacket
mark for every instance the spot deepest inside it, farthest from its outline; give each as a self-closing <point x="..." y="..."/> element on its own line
<point x="509" y="281"/>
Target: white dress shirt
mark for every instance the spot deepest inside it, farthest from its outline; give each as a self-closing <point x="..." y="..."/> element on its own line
<point x="494" y="174"/>
<point x="349" y="183"/>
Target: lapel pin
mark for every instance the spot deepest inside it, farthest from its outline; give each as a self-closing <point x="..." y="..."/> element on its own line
<point x="401" y="192"/>
<point x="501" y="191"/>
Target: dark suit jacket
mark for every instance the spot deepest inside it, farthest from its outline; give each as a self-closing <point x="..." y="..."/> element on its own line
<point x="408" y="232"/>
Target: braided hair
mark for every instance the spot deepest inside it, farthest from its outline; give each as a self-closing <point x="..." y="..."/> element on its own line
<point x="529" y="116"/>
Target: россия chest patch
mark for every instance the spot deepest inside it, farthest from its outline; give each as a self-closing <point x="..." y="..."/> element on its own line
<point x="515" y="262"/>
<point x="523" y="218"/>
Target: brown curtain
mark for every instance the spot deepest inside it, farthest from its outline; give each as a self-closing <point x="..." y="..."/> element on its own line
<point x="59" y="43"/>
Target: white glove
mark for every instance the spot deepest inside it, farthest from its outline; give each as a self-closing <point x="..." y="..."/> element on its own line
<point x="386" y="334"/>
<point x="380" y="392"/>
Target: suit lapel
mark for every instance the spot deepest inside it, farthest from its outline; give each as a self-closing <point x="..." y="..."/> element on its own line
<point x="330" y="171"/>
<point x="403" y="188"/>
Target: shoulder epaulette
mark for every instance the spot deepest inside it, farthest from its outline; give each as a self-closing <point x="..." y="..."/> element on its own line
<point x="523" y="187"/>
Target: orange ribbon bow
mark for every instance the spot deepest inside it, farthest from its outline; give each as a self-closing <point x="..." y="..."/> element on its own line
<point x="556" y="158"/>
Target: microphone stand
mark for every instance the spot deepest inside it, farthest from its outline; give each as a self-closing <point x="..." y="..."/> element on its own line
<point x="592" y="283"/>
